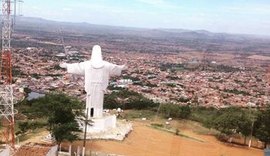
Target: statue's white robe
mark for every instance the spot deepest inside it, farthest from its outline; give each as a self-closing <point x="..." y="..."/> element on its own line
<point x="96" y="82"/>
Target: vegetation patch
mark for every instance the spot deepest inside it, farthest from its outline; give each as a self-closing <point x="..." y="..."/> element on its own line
<point x="173" y="131"/>
<point x="56" y="111"/>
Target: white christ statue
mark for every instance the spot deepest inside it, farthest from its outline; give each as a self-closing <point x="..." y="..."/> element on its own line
<point x="97" y="73"/>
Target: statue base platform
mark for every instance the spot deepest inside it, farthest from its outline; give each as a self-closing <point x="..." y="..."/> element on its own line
<point x="107" y="128"/>
<point x="102" y="124"/>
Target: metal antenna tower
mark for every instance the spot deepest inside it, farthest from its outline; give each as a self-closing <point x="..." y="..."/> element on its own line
<point x="6" y="90"/>
<point x="17" y="5"/>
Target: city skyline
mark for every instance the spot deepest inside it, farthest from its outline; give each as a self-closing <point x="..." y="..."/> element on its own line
<point x="229" y="16"/>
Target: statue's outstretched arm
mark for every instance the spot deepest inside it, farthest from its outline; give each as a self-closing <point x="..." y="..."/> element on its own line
<point x="115" y="70"/>
<point x="74" y="68"/>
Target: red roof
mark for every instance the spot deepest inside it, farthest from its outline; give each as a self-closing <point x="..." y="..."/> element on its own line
<point x="35" y="149"/>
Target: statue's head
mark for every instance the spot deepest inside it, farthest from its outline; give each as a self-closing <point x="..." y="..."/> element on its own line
<point x="96" y="57"/>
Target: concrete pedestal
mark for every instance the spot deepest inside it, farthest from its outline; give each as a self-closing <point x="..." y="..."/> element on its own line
<point x="107" y="128"/>
<point x="99" y="124"/>
<point x="102" y="124"/>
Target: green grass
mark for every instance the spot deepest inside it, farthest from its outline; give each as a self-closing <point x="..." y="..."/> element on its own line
<point x="40" y="120"/>
<point x="138" y="114"/>
<point x="30" y="134"/>
<point x="197" y="127"/>
<point x="173" y="131"/>
<point x="157" y="123"/>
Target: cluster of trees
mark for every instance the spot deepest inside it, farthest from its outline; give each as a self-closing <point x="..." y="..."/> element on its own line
<point x="262" y="126"/>
<point x="235" y="120"/>
<point x="16" y="71"/>
<point x="24" y="126"/>
<point x="223" y="68"/>
<point x="175" y="111"/>
<point x="236" y="91"/>
<point x="232" y="120"/>
<point x="173" y="67"/>
<point x="126" y="99"/>
<point x="58" y="110"/>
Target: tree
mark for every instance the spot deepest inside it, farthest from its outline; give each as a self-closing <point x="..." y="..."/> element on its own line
<point x="177" y="111"/>
<point x="262" y="126"/>
<point x="245" y="125"/>
<point x="140" y="104"/>
<point x="23" y="126"/>
<point x="228" y="121"/>
<point x="27" y="90"/>
<point x="185" y="112"/>
<point x="60" y="111"/>
<point x="126" y="99"/>
<point x="234" y="120"/>
<point x="111" y="103"/>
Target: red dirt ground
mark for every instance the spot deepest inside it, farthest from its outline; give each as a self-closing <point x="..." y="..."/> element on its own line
<point x="146" y="141"/>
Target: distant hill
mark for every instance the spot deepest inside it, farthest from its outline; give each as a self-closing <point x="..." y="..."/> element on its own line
<point x="48" y="25"/>
<point x="192" y="39"/>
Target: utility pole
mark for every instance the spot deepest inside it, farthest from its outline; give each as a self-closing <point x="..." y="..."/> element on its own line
<point x="86" y="123"/>
<point x="251" y="133"/>
<point x="252" y="125"/>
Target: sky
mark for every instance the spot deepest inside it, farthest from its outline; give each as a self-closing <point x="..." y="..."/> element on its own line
<point x="230" y="16"/>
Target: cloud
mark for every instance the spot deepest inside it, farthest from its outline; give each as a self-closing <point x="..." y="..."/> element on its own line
<point x="153" y="2"/>
<point x="249" y="9"/>
<point x="160" y="4"/>
<point x="100" y="8"/>
<point x="67" y="9"/>
<point x="35" y="7"/>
